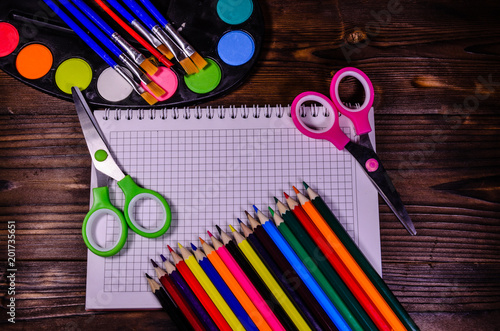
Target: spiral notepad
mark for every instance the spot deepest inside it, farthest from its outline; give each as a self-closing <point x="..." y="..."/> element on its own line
<point x="212" y="164"/>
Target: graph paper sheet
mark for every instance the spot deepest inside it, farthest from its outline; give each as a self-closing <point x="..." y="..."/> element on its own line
<point x="210" y="170"/>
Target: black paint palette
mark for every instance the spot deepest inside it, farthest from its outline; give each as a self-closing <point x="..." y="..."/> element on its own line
<point x="39" y="49"/>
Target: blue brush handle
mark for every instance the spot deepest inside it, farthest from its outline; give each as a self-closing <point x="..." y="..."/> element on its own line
<point x="141" y="13"/>
<point x="116" y="5"/>
<point x="95" y="17"/>
<point x="82" y="34"/>
<point x="152" y="9"/>
<point x="92" y="28"/>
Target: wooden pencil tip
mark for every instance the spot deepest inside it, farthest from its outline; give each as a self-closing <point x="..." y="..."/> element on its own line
<point x="232" y="229"/>
<point x="163" y="259"/>
<point x="154" y="263"/>
<point x="271" y="211"/>
<point x="170" y="248"/>
<point x="193" y="247"/>
<point x="218" y="229"/>
<point x="286" y="195"/>
<point x="180" y="246"/>
<point x="239" y="221"/>
<point x="305" y="185"/>
<point x="210" y="234"/>
<point x="276" y="200"/>
<point x="255" y="208"/>
<point x="247" y="213"/>
<point x="295" y="189"/>
<point x="201" y="240"/>
<point x="148" y="276"/>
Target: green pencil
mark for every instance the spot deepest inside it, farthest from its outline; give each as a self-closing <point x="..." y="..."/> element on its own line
<point x="315" y="272"/>
<point x="356" y="253"/>
<point x="325" y="267"/>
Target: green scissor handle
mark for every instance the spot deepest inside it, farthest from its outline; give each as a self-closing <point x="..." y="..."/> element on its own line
<point x="133" y="194"/>
<point x="101" y="206"/>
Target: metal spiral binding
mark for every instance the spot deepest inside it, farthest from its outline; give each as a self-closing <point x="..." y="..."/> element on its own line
<point x="209" y="112"/>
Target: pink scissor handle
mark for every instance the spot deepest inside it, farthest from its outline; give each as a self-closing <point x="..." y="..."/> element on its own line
<point x="358" y="116"/>
<point x="331" y="132"/>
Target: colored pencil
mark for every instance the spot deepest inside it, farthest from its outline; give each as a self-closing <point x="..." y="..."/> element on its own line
<point x="198" y="60"/>
<point x="199" y="291"/>
<point x="223" y="289"/>
<point x="346" y="239"/>
<point x="168" y="305"/>
<point x="150" y="99"/>
<point x="269" y="280"/>
<point x="94" y="30"/>
<point x="177" y="297"/>
<point x="210" y="288"/>
<point x="322" y="262"/>
<point x="147" y="64"/>
<point x="287" y="278"/>
<point x="302" y="290"/>
<point x="246" y="284"/>
<point x="315" y="271"/>
<point x="193" y="301"/>
<point x="235" y="287"/>
<point x="149" y="46"/>
<point x="178" y="52"/>
<point x="305" y="275"/>
<point x="350" y="279"/>
<point x="349" y="261"/>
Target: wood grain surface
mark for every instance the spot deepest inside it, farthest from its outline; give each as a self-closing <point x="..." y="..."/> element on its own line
<point x="435" y="67"/>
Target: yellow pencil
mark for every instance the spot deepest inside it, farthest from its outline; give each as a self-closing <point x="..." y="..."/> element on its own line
<point x="269" y="280"/>
<point x="209" y="287"/>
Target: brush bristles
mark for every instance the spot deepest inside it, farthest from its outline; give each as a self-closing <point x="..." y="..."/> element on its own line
<point x="165" y="51"/>
<point x="188" y="66"/>
<point x="156" y="89"/>
<point x="149" y="67"/>
<point x="149" y="98"/>
<point x="198" y="60"/>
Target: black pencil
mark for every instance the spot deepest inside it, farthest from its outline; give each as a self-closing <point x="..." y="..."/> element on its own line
<point x="168" y="305"/>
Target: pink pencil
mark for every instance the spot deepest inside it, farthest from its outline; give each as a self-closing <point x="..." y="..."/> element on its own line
<point x="246" y="284"/>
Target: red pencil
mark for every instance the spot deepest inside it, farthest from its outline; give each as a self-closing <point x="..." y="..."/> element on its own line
<point x="178" y="298"/>
<point x="337" y="264"/>
<point x="199" y="291"/>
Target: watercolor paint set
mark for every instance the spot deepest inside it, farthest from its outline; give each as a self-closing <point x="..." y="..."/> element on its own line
<point x="40" y="48"/>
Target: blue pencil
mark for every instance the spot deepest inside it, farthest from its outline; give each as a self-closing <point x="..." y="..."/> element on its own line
<point x="302" y="271"/>
<point x="224" y="290"/>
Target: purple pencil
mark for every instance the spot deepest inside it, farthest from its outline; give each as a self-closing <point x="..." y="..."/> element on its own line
<point x="190" y="296"/>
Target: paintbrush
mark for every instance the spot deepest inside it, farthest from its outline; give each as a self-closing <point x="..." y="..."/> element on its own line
<point x="147" y="64"/>
<point x="136" y="70"/>
<point x="198" y="60"/>
<point x="102" y="53"/>
<point x="179" y="54"/>
<point x="146" y="34"/>
<point x="162" y="58"/>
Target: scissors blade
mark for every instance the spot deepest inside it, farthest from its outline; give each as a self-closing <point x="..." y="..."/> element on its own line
<point x="373" y="167"/>
<point x="95" y="142"/>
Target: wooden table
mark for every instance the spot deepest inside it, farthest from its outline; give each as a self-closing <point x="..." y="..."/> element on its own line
<point x="435" y="66"/>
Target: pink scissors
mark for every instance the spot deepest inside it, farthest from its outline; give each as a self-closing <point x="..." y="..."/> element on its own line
<point x="363" y="151"/>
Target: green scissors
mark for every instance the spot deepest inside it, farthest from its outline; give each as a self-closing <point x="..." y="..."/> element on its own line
<point x="101" y="206"/>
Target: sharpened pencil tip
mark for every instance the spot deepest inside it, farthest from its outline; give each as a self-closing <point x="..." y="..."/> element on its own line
<point x="295" y="189"/>
<point x="154" y="263"/>
<point x="239" y="221"/>
<point x="210" y="234"/>
<point x="163" y="258"/>
<point x="286" y="195"/>
<point x="232" y="229"/>
<point x="271" y="211"/>
<point x="170" y="248"/>
<point x="276" y="200"/>
<point x="255" y="208"/>
<point x="218" y="229"/>
<point x="148" y="276"/>
<point x="247" y="213"/>
<point x="305" y="185"/>
<point x="193" y="247"/>
<point x="180" y="246"/>
<point x="201" y="240"/>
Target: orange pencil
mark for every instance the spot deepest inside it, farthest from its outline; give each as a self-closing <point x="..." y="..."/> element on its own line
<point x="349" y="261"/>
